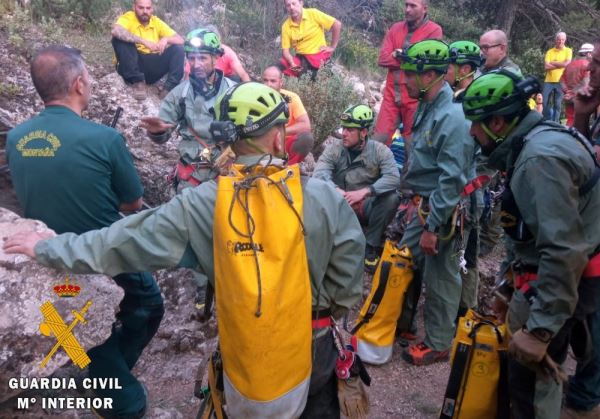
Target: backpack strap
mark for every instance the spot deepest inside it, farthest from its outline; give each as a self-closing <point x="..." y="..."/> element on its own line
<point x="457" y="374"/>
<point x="587" y="145"/>
<point x="503" y="406"/>
<point x="384" y="275"/>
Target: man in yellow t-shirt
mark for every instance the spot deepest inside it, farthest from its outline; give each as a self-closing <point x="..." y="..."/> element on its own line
<point x="146" y="49"/>
<point x="304" y="31"/>
<point x="299" y="140"/>
<point x="556" y="60"/>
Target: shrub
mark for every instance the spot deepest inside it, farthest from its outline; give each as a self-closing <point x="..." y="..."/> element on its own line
<point x="324" y="99"/>
<point x="356" y="52"/>
<point x="90" y="10"/>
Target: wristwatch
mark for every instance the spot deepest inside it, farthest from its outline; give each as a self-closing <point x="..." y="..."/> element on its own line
<point x="541" y="334"/>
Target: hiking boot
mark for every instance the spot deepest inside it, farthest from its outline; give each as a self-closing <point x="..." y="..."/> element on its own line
<point x="405" y="338"/>
<point x="139" y="90"/>
<point x="421" y="354"/>
<point x="570" y="413"/>
<point x="372" y="256"/>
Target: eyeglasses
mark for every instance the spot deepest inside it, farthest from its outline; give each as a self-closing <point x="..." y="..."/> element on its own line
<point x="486" y="47"/>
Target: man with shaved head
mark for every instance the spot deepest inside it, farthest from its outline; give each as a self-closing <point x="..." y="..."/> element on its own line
<point x="298" y="138"/>
<point x="397" y="106"/>
<point x="76" y="175"/>
<point x="494" y="50"/>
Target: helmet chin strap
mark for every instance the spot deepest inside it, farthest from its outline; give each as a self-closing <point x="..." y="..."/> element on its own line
<point x="361" y="144"/>
<point x="501" y="136"/>
<point x="457" y="79"/>
<point x="424" y="89"/>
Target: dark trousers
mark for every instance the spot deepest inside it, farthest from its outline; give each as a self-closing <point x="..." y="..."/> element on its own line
<point x="135" y="67"/>
<point x="376" y="213"/>
<point x="532" y="393"/>
<point x="323" y="400"/>
<point x="584" y="387"/>
<point x="140" y="314"/>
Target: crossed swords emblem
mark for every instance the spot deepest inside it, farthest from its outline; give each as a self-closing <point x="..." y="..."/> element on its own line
<point x="53" y="324"/>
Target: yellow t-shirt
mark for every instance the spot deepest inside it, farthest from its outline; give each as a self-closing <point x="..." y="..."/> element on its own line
<point x="295" y="105"/>
<point x="553" y="54"/>
<point x="154" y="31"/>
<point x="308" y="36"/>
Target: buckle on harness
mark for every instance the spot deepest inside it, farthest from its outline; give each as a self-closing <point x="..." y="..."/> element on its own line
<point x="523" y="276"/>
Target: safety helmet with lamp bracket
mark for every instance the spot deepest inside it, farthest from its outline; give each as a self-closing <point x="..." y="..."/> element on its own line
<point x="247" y="110"/>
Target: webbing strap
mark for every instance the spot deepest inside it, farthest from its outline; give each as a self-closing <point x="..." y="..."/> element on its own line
<point x="459" y="365"/>
<point x="213" y="404"/>
<point x="503" y="406"/>
<point x="475" y="184"/>
<point x="384" y="275"/>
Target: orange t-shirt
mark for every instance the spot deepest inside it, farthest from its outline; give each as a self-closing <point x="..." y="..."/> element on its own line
<point x="295" y="105"/>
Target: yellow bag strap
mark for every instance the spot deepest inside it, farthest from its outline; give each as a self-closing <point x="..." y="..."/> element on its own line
<point x="216" y="396"/>
<point x="214" y="399"/>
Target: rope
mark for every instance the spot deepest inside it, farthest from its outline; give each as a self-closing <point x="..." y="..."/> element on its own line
<point x="245" y="185"/>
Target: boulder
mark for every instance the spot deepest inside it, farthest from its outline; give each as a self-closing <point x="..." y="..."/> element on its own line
<point x="24" y="286"/>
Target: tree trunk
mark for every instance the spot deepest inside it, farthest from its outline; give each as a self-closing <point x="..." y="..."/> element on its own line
<point x="506" y="15"/>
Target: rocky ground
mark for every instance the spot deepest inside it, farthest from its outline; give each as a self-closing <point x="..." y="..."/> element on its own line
<point x="168" y="366"/>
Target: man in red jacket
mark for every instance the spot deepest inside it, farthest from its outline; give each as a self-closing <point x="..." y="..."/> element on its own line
<point x="397" y="106"/>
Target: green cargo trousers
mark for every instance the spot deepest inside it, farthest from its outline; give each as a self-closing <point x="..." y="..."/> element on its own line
<point x="140" y="314"/>
<point x="470" y="280"/>
<point x="442" y="281"/>
<point x="376" y="213"/>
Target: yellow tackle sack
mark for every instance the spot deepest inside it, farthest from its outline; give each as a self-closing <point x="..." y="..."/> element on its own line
<point x="376" y="324"/>
<point x="262" y="292"/>
<point x="478" y="383"/>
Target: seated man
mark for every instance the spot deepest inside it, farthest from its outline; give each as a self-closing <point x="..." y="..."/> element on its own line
<point x="146" y="49"/>
<point x="298" y="138"/>
<point x="365" y="173"/>
<point x="304" y="31"/>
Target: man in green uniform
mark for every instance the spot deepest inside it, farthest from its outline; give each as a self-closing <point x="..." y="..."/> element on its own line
<point x="187" y="108"/>
<point x="180" y="233"/>
<point x="75" y="176"/>
<point x="465" y="59"/>
<point x="365" y="174"/>
<point x="549" y="212"/>
<point x="439" y="165"/>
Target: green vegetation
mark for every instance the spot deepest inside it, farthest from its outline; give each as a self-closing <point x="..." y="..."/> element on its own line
<point x="324" y="100"/>
<point x="356" y="52"/>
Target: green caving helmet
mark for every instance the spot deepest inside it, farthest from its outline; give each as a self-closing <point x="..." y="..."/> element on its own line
<point x="465" y="52"/>
<point x="203" y="40"/>
<point x="494" y="93"/>
<point x="252" y="107"/>
<point x="357" y="116"/>
<point x="429" y="54"/>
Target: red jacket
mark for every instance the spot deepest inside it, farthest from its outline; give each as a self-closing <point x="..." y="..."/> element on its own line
<point x="398" y="37"/>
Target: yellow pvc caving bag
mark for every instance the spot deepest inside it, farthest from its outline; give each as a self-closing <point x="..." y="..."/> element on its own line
<point x="262" y="292"/>
<point x="478" y="383"/>
<point x="375" y="327"/>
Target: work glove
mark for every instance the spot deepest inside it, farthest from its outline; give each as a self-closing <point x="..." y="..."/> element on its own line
<point x="526" y="348"/>
<point x="354" y="399"/>
<point x="554" y="370"/>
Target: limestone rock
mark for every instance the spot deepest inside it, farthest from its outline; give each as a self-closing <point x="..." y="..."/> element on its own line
<point x="24" y="286"/>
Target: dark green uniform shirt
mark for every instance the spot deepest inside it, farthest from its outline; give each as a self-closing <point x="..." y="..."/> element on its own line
<point x="69" y="172"/>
